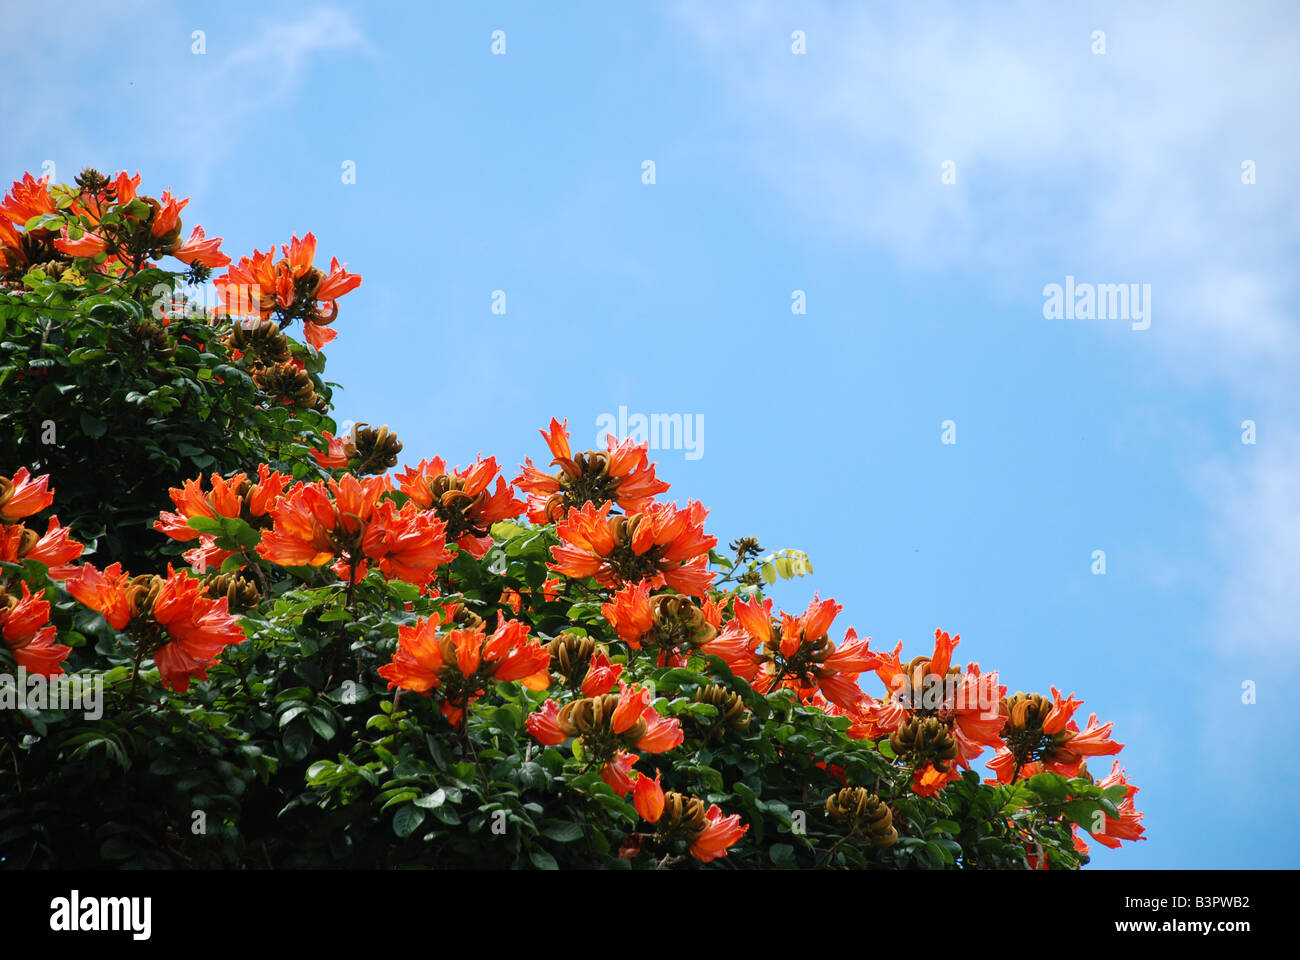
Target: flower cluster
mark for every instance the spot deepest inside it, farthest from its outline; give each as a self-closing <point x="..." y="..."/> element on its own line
<point x="21" y="496"/>
<point x="462" y="499"/>
<point x="607" y="726"/>
<point x="171" y="619"/>
<point x="620" y="475"/>
<point x="345" y="523"/>
<point x="661" y="545"/>
<point x="463" y="662"/>
<point x="288" y="289"/>
<point x="236" y="497"/>
<point x="105" y="223"/>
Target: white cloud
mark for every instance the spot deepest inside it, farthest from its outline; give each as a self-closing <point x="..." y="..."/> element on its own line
<point x="1122" y="167"/>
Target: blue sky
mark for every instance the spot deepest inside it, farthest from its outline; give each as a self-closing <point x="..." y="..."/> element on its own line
<point x="819" y="172"/>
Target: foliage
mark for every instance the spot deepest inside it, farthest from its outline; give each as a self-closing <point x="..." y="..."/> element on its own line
<point x="281" y="744"/>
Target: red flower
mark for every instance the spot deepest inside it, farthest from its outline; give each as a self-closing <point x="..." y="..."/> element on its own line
<point x="1129" y="825"/>
<point x="618" y="772"/>
<point x="27" y="198"/>
<point x="27" y="632"/>
<point x="621" y="474"/>
<point x="22" y="496"/>
<point x="233" y="498"/>
<point x="721" y="833"/>
<point x="648" y="797"/>
<point x="462" y="499"/>
<point x="462" y="663"/>
<point x="200" y="628"/>
<point x="199" y="250"/>
<point x="55" y="549"/>
<point x="261" y="284"/>
<point x="543" y="725"/>
<point x="335" y="456"/>
<point x="796" y="654"/>
<point x="89" y="244"/>
<point x="662" y="545"/>
<point x="104" y="592"/>
<point x="601" y="675"/>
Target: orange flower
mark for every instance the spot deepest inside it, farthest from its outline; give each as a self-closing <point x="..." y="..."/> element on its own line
<point x="796" y="654"/>
<point x="89" y="244"/>
<point x="648" y="797"/>
<point x="1038" y="735"/>
<point x="462" y="499"/>
<point x="55" y="549"/>
<point x="27" y="198"/>
<point x="671" y="624"/>
<point x="335" y="456"/>
<point x="601" y="675"/>
<point x="343" y="522"/>
<point x="27" y="632"/>
<point x="462" y="663"/>
<point x="200" y="628"/>
<point x="721" y="833"/>
<point x="543" y="724"/>
<point x="618" y="772"/>
<point x="200" y="250"/>
<point x="234" y="498"/>
<point x="1129" y="825"/>
<point x="167" y="215"/>
<point x="290" y="286"/>
<point x="180" y="626"/>
<point x="406" y="544"/>
<point x="22" y="496"/>
<point x="104" y="592"/>
<point x="621" y="474"/>
<point x="661" y="545"/>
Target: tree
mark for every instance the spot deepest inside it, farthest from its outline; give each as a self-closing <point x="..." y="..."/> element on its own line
<point x="242" y="642"/>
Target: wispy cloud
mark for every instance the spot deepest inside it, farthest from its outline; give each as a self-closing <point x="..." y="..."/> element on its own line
<point x="1117" y="167"/>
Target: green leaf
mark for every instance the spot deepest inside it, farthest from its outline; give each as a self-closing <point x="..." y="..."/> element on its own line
<point x="407" y="819"/>
<point x="93" y="427"/>
<point x="542" y="860"/>
<point x="563" y="831"/>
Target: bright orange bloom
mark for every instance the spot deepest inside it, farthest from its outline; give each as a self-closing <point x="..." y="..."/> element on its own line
<point x="721" y="833"/>
<point x="197" y="626"/>
<point x="544" y="726"/>
<point x="796" y="654"/>
<point x="104" y="592"/>
<point x="342" y="522"/>
<point x="1129" y="825"/>
<point x="648" y="797"/>
<point x="669" y="623"/>
<point x="1030" y="747"/>
<point x="27" y="198"/>
<point x="167" y="216"/>
<point x="291" y="286"/>
<point x="201" y="251"/>
<point x="621" y="474"/>
<point x="55" y="549"/>
<point x="463" y="663"/>
<point x="662" y="733"/>
<point x="966" y="702"/>
<point x="27" y="632"/>
<point x="661" y="545"/>
<point x="462" y="499"/>
<point x="601" y="675"/>
<point x="200" y="628"/>
<point x="235" y="497"/>
<point x="335" y="456"/>
<point x="406" y="544"/>
<point x="89" y="244"/>
<point x="23" y="496"/>
<point x="618" y="772"/>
